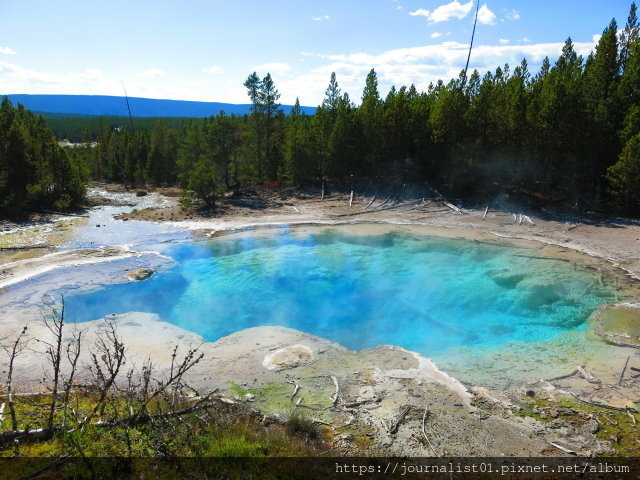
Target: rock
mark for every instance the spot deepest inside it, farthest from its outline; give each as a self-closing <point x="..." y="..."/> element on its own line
<point x="141" y="193"/>
<point x="139" y="274"/>
<point x="288" y="357"/>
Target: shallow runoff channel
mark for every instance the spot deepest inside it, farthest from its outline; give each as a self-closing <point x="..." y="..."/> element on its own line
<point x="486" y="312"/>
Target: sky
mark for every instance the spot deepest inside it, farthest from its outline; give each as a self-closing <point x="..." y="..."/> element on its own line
<point x="204" y="49"/>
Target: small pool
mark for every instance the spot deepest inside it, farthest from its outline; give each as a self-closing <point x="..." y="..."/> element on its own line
<point x="427" y="294"/>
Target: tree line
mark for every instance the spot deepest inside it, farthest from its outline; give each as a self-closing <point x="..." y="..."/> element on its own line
<point x="569" y="131"/>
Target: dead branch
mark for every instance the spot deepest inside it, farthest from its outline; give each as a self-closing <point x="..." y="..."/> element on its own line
<point x="579" y="370"/>
<point x="596" y="404"/>
<point x="363" y="402"/>
<point x="15" y="350"/>
<point x="54" y="321"/>
<point x="486" y="210"/>
<point x="177" y="371"/>
<point x="633" y="419"/>
<point x="424" y="432"/>
<point x="575" y="225"/>
<point x="372" y="200"/>
<point x="296" y="389"/>
<point x="588" y="376"/>
<point x="393" y="427"/>
<point x="623" y="370"/>
<point x="310" y="407"/>
<point x="131" y="420"/>
<point x="385" y="201"/>
<point x="318" y="421"/>
<point x="107" y="362"/>
<point x="564" y="449"/>
<point x="136" y="419"/>
<point x="73" y="354"/>
<point x="452" y="207"/>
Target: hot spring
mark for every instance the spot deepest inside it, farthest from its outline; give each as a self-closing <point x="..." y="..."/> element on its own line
<point x="449" y="299"/>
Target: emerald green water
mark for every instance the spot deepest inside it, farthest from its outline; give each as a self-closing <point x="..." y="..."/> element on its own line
<point x="426" y="294"/>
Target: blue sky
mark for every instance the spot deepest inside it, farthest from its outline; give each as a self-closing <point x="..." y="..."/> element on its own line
<point x="204" y="50"/>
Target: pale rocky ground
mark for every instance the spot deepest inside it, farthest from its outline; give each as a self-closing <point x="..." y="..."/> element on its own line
<point x="263" y="365"/>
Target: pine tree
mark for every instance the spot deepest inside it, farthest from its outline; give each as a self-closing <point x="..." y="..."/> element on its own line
<point x="369" y="119"/>
<point x="268" y="97"/>
<point x="332" y="95"/>
<point x="601" y="108"/>
<point x="629" y="35"/>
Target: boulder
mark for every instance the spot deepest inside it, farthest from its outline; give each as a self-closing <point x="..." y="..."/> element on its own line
<point x="139" y="274"/>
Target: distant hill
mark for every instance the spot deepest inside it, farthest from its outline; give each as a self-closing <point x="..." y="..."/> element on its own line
<point x="103" y="105"/>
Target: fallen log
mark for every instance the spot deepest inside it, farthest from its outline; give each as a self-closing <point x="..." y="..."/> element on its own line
<point x="579" y="370"/>
<point x="318" y="421"/>
<point x="588" y="376"/>
<point x="334" y="397"/>
<point x="28" y="435"/>
<point x="600" y="405"/>
<point x="452" y="207"/>
<point x="393" y="427"/>
<point x="623" y="370"/>
<point x="25" y="248"/>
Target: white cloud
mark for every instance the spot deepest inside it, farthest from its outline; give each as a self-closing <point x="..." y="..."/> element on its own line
<point x="418" y="65"/>
<point x="513" y="15"/>
<point x="213" y="70"/>
<point x="435" y="35"/>
<point x="399" y="7"/>
<point x="503" y="41"/>
<point x="7" y="50"/>
<point x="273" y="68"/>
<point x="18" y="79"/>
<point x="524" y="40"/>
<point x="445" y="12"/>
<point x="420" y="12"/>
<point x="152" y="73"/>
<point x="486" y="16"/>
<point x="321" y="18"/>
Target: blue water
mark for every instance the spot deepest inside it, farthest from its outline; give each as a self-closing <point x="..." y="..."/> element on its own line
<point x="426" y="294"/>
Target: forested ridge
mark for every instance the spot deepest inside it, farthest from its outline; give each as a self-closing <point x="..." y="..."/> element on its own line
<point x="570" y="130"/>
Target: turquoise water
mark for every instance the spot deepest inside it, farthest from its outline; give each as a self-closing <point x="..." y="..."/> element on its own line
<point x="426" y="294"/>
